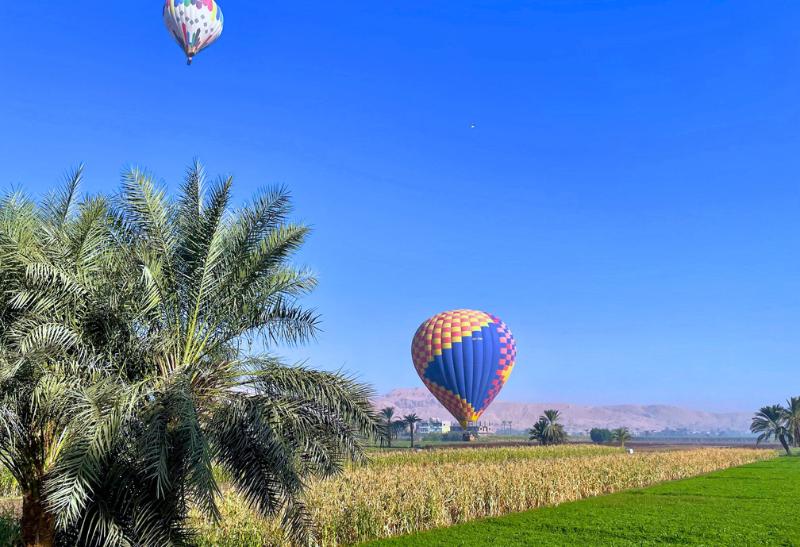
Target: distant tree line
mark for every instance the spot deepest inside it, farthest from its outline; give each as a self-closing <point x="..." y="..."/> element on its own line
<point x="600" y="435"/>
<point x="549" y="430"/>
<point x="391" y="428"/>
<point x="619" y="435"/>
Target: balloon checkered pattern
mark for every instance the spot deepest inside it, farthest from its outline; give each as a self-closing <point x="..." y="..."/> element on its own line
<point x="464" y="357"/>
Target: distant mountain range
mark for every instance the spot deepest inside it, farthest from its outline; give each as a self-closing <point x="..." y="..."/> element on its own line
<point x="576" y="418"/>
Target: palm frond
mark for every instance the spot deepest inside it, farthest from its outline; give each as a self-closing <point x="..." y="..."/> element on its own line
<point x="260" y="465"/>
<point x="59" y="205"/>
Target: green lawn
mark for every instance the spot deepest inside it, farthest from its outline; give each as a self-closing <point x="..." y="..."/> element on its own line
<point x="757" y="504"/>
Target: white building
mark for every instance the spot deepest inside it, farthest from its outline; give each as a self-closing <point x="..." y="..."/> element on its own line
<point x="433" y="425"/>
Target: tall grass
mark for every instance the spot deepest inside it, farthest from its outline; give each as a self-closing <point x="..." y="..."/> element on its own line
<point x="9" y="528"/>
<point x="403" y="493"/>
<point x="486" y="455"/>
<point x="9" y="509"/>
<point x="8" y="486"/>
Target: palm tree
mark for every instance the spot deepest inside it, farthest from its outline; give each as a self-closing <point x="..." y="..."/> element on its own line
<point x="548" y="430"/>
<point x="125" y="370"/>
<point x="58" y="267"/>
<point x="792" y="415"/>
<point x="771" y="421"/>
<point x="398" y="426"/>
<point x="411" y="420"/>
<point x="387" y="414"/>
<point x="621" y="435"/>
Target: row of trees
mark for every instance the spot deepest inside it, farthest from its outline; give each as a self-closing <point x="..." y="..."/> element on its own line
<point x="391" y="427"/>
<point x="619" y="435"/>
<point x="779" y="422"/>
<point x="549" y="430"/>
<point x="127" y="368"/>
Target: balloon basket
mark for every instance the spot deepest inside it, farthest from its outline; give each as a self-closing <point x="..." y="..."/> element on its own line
<point x="469" y="437"/>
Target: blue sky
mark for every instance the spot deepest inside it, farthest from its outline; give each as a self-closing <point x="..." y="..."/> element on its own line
<point x="628" y="202"/>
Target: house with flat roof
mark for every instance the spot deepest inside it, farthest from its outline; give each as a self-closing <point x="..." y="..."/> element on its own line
<point x="433" y="425"/>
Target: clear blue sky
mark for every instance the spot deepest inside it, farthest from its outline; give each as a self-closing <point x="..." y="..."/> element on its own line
<point x="629" y="202"/>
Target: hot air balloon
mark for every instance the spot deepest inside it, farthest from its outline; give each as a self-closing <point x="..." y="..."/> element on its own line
<point x="464" y="357"/>
<point x="195" y="24"/>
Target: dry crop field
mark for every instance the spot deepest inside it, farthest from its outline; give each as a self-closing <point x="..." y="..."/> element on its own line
<point x="405" y="492"/>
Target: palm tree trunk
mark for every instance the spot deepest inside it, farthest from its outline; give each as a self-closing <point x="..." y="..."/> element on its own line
<point x="38" y="525"/>
<point x="412" y="435"/>
<point x="782" y="439"/>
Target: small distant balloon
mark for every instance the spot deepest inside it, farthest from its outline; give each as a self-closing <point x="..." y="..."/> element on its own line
<point x="472" y="125"/>
<point x="195" y="24"/>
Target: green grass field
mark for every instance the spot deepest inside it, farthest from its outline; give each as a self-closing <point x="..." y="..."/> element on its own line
<point x="755" y="504"/>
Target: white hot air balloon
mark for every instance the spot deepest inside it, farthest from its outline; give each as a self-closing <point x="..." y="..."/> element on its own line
<point x="195" y="24"/>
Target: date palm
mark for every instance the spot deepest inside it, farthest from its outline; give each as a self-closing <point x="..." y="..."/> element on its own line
<point x="398" y="426"/>
<point x="388" y="424"/>
<point x="621" y="435"/>
<point x="548" y="430"/>
<point x="58" y="292"/>
<point x="126" y="346"/>
<point x="770" y="422"/>
<point x="792" y="415"/>
<point x="411" y="421"/>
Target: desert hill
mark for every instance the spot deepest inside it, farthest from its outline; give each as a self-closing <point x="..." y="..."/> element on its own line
<point x="577" y="418"/>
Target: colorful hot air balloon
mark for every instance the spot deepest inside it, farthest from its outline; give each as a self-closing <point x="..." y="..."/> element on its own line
<point x="464" y="357"/>
<point x="195" y="24"/>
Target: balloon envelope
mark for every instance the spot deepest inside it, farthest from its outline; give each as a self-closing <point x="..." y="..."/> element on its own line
<point x="195" y="24"/>
<point x="464" y="357"/>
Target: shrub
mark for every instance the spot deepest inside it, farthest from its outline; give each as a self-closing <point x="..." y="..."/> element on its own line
<point x="600" y="436"/>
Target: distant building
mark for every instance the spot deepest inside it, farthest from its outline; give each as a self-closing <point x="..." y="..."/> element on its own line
<point x="433" y="425"/>
<point x="483" y="428"/>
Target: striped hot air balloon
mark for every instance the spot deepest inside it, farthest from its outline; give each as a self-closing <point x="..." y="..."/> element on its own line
<point x="464" y="357"/>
